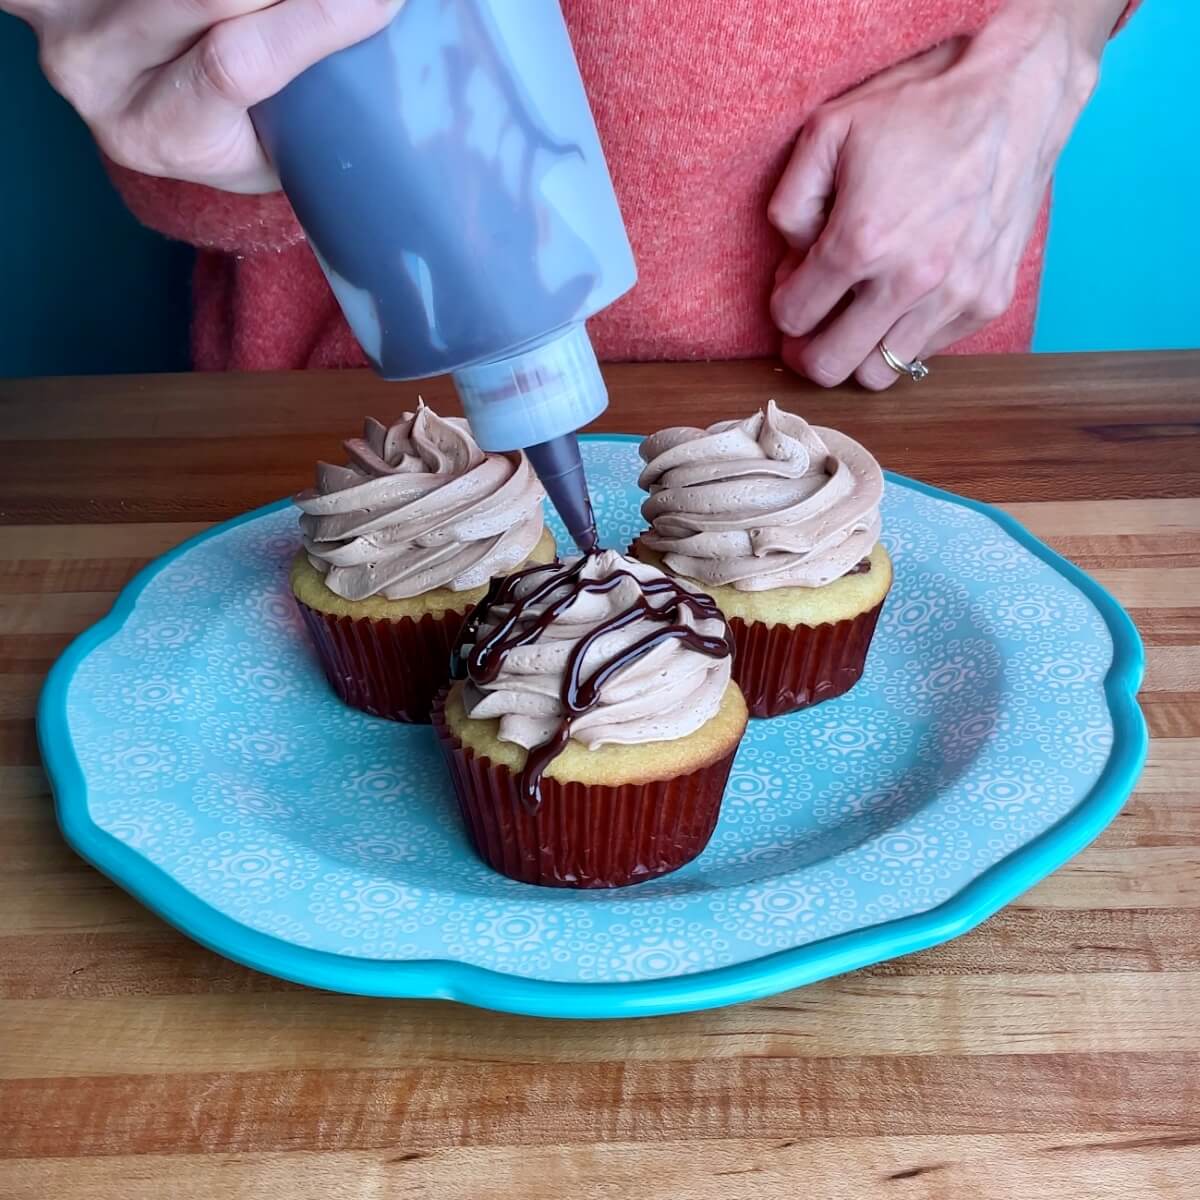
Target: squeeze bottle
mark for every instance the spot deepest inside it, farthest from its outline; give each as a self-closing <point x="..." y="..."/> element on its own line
<point x="449" y="177"/>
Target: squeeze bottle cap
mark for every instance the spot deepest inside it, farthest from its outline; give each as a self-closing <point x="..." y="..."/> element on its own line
<point x="536" y="395"/>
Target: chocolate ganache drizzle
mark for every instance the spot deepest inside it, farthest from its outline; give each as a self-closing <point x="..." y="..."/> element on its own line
<point x="518" y="611"/>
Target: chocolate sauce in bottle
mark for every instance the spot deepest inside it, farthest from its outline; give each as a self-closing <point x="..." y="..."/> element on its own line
<point x="449" y="176"/>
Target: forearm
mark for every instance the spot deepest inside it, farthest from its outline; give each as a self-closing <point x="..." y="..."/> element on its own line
<point x="1084" y="26"/>
<point x="1092" y="22"/>
<point x="1047" y="53"/>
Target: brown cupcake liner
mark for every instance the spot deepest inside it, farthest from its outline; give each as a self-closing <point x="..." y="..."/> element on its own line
<point x="581" y="835"/>
<point x="388" y="668"/>
<point x="781" y="669"/>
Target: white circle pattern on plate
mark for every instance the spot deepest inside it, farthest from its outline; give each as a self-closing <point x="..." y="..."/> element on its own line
<point x="212" y="746"/>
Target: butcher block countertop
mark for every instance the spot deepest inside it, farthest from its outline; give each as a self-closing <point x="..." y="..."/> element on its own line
<point x="1052" y="1053"/>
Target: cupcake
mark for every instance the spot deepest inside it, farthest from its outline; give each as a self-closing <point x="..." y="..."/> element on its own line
<point x="778" y="521"/>
<point x="591" y="729"/>
<point x="399" y="545"/>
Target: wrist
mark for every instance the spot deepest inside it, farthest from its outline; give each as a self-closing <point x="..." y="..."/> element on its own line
<point x="1085" y="24"/>
<point x="1069" y="34"/>
<point x="1090" y="23"/>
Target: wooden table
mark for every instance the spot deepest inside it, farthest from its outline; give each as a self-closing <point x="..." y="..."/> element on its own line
<point x="1054" y="1052"/>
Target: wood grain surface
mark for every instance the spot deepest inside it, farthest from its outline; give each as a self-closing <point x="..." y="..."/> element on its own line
<point x="1053" y="1053"/>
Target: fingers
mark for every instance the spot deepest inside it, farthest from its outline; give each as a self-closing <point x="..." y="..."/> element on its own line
<point x="849" y="343"/>
<point x="189" y="119"/>
<point x="834" y="267"/>
<point x="853" y="248"/>
<point x="165" y="85"/>
<point x="806" y="296"/>
<point x="947" y="315"/>
<point x="910" y="337"/>
<point x="243" y="61"/>
<point x="800" y="203"/>
<point x="161" y="30"/>
<point x="912" y="307"/>
<point x="841" y="246"/>
<point x="95" y="53"/>
<point x="832" y="354"/>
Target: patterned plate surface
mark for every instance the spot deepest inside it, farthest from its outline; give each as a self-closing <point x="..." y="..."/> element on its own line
<point x="199" y="759"/>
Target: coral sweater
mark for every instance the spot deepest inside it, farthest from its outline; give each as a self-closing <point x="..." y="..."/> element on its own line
<point x="697" y="104"/>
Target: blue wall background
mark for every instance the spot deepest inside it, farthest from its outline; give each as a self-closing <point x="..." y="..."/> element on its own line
<point x="1123" y="261"/>
<point x="85" y="289"/>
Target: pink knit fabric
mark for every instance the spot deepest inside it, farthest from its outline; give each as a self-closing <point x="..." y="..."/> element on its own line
<point x="698" y="105"/>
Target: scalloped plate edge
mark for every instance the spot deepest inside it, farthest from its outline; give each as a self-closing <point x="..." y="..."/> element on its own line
<point x="448" y="980"/>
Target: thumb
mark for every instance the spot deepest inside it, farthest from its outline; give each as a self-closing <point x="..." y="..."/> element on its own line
<point x="801" y="201"/>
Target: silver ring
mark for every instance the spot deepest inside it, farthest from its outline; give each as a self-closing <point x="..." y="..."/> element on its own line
<point x="915" y="370"/>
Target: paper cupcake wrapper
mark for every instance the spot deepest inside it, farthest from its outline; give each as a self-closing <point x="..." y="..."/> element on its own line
<point x="582" y="836"/>
<point x="386" y="668"/>
<point x="781" y="669"/>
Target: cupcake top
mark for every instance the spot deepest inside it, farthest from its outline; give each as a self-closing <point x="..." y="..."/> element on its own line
<point x="603" y="650"/>
<point x="766" y="502"/>
<point x="419" y="506"/>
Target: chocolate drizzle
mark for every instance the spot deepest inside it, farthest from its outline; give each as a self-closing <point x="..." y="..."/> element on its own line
<point x="481" y="659"/>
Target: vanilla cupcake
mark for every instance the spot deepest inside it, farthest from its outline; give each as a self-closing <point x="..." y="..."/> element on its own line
<point x="399" y="545"/>
<point x="594" y="723"/>
<point x="779" y="522"/>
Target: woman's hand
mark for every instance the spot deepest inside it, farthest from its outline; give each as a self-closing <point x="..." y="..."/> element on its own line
<point x="908" y="201"/>
<point x="165" y="85"/>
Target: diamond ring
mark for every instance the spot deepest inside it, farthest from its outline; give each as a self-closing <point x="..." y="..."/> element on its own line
<point x="915" y="370"/>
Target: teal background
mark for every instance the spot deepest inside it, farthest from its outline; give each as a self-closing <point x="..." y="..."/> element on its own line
<point x="1124" y="251"/>
<point x="85" y="289"/>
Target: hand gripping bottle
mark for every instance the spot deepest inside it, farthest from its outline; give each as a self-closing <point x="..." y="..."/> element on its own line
<point x="449" y="177"/>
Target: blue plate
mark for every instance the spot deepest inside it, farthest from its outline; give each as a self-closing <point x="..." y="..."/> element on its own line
<point x="199" y="759"/>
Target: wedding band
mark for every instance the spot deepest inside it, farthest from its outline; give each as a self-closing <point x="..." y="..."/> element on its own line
<point x="915" y="370"/>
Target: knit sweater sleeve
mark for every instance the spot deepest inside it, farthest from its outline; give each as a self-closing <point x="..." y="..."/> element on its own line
<point x="207" y="218"/>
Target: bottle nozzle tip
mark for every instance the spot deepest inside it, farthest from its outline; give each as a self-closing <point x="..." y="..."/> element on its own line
<point x="560" y="468"/>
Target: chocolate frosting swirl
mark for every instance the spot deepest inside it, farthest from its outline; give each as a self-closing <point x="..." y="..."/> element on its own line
<point x="604" y="650"/>
<point x="766" y="502"/>
<point x="419" y="506"/>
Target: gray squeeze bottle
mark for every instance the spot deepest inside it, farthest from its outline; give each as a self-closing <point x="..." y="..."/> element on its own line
<point x="449" y="176"/>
